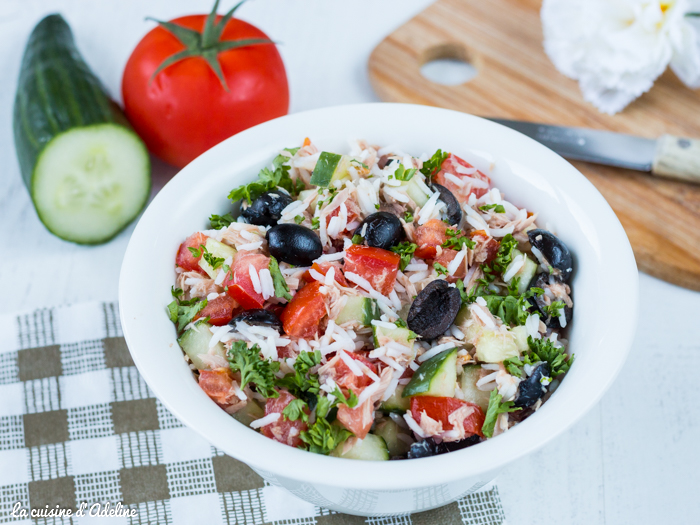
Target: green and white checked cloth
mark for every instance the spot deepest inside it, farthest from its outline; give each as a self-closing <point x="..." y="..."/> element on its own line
<point x="79" y="424"/>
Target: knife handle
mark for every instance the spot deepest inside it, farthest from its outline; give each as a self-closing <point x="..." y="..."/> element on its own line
<point x="677" y="158"/>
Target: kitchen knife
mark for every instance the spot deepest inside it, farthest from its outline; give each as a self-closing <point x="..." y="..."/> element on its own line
<point x="668" y="156"/>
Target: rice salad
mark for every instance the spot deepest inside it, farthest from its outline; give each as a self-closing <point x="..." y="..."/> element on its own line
<point x="374" y="305"/>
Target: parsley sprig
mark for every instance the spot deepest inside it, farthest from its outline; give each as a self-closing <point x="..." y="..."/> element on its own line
<point x="433" y="165"/>
<point x="281" y="288"/>
<point x="496" y="407"/>
<point x="404" y="174"/>
<point x="540" y="350"/>
<point x="219" y="222"/>
<point x="440" y="269"/>
<point x="302" y="381"/>
<point x="456" y="240"/>
<point x="183" y="312"/>
<point x="405" y="249"/>
<point x="322" y="437"/>
<point x="552" y="310"/>
<point x="254" y="369"/>
<point x="498" y="208"/>
<point x="269" y="179"/>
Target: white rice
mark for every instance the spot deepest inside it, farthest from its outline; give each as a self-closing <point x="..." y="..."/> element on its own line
<point x="254" y="278"/>
<point x="434" y="351"/>
<point x="351" y="363"/>
<point x="266" y="283"/>
<point x="263" y="421"/>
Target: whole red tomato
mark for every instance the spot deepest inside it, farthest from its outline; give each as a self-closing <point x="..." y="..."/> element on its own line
<point x="186" y="109"/>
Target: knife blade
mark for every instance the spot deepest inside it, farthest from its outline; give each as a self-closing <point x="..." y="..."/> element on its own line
<point x="590" y="145"/>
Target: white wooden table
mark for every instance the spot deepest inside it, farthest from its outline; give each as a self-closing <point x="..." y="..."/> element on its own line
<point x="633" y="459"/>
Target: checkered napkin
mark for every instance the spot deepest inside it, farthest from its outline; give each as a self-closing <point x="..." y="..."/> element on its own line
<point x="79" y="424"/>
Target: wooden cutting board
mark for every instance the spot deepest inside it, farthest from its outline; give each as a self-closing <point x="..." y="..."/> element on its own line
<point x="503" y="40"/>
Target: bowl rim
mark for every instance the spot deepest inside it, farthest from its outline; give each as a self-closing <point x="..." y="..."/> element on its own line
<point x="268" y="456"/>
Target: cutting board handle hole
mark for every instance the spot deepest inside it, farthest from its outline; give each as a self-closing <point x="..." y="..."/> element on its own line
<point x="448" y="64"/>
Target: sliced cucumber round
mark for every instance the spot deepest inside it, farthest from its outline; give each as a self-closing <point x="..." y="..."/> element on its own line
<point x="90" y="182"/>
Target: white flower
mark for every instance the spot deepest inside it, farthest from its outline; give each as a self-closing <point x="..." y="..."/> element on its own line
<point x="617" y="48"/>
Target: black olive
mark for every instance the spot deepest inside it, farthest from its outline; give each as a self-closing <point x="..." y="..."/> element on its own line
<point x="545" y="281"/>
<point x="258" y="317"/>
<point x="531" y="389"/>
<point x="451" y="446"/>
<point x="454" y="210"/>
<point x="555" y="251"/>
<point x="384" y="230"/>
<point x="422" y="449"/>
<point x="266" y="210"/>
<point x="428" y="447"/>
<point x="294" y="244"/>
<point x="434" y="309"/>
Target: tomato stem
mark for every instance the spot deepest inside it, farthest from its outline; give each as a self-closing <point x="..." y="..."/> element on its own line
<point x="206" y="44"/>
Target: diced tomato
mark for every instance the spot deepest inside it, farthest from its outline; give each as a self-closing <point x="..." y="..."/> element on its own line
<point x="220" y="310"/>
<point x="353" y="212"/>
<point x="486" y="247"/>
<point x="378" y="266"/>
<point x="218" y="385"/>
<point x="357" y="420"/>
<point x="428" y="237"/>
<point x="440" y="408"/>
<point x="347" y="380"/>
<point x="240" y="286"/>
<point x="445" y="258"/>
<point x="323" y="269"/>
<point x="302" y="316"/>
<point x="450" y="166"/>
<point x="185" y="259"/>
<point x="283" y="430"/>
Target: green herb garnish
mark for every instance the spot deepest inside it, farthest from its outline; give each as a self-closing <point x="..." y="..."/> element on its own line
<point x="281" y="288"/>
<point x="405" y="249"/>
<point x="219" y="222"/>
<point x="552" y="310"/>
<point x="408" y="217"/>
<point x="299" y="219"/>
<point x="456" y="240"/>
<point x="498" y="208"/>
<point x="323" y="438"/>
<point x="315" y="223"/>
<point x="268" y="180"/>
<point x="496" y="407"/>
<point x="253" y="368"/>
<point x="404" y="174"/>
<point x="440" y="269"/>
<point x="433" y="165"/>
<point x="183" y="312"/>
<point x="357" y="239"/>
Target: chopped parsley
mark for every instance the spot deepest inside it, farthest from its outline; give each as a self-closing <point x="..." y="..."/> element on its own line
<point x="440" y="269"/>
<point x="432" y="165"/>
<point x="296" y="409"/>
<point x="281" y="288"/>
<point x="408" y="216"/>
<point x="496" y="407"/>
<point x="315" y="223"/>
<point x="213" y="261"/>
<point x="544" y="350"/>
<point x="301" y="381"/>
<point x="299" y="219"/>
<point x="360" y="163"/>
<point x="183" y="312"/>
<point x="456" y="240"/>
<point x="219" y="222"/>
<point x="498" y="208"/>
<point x="357" y="239"/>
<point x="405" y="249"/>
<point x="253" y="368"/>
<point x="552" y="310"/>
<point x="350" y="401"/>
<point x="196" y="252"/>
<point x="404" y="174"/>
<point x="322" y="437"/>
<point x="268" y="180"/>
<point x="402" y="324"/>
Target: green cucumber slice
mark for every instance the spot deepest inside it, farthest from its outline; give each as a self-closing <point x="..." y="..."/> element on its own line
<point x="363" y="310"/>
<point x="195" y="343"/>
<point x="250" y="412"/>
<point x="90" y="182"/>
<point x="217" y="249"/>
<point x="396" y="402"/>
<point x="495" y="347"/>
<point x="372" y="448"/>
<point x="526" y="272"/>
<point x="467" y="384"/>
<point x="435" y="377"/>
<point x="414" y="192"/>
<point x="403" y="336"/>
<point x="389" y="431"/>
<point x="330" y="167"/>
<point x="87" y="172"/>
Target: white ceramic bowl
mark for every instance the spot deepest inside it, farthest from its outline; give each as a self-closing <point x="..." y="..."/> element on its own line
<point x="528" y="173"/>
